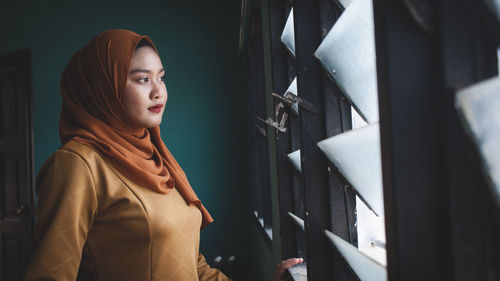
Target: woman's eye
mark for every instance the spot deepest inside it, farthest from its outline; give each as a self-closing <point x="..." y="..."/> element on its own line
<point x="162" y="78"/>
<point x="144" y="79"/>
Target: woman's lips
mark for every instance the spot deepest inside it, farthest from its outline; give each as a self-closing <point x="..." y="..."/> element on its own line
<point x="156" y="108"/>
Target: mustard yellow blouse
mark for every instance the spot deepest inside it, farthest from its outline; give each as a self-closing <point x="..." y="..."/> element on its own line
<point x="95" y="224"/>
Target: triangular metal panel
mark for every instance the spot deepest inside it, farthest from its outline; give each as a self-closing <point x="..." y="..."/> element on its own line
<point x="365" y="267"/>
<point x="295" y="159"/>
<point x="298" y="221"/>
<point x="479" y="107"/>
<point x="345" y="3"/>
<point x="356" y="154"/>
<point x="371" y="232"/>
<point x="348" y="55"/>
<point x="292" y="88"/>
<point x="288" y="36"/>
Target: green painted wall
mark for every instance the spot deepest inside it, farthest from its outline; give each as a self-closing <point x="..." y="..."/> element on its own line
<point x="205" y="121"/>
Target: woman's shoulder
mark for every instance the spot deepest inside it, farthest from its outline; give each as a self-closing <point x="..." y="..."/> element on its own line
<point x="74" y="162"/>
<point x="73" y="152"/>
<point x="79" y="149"/>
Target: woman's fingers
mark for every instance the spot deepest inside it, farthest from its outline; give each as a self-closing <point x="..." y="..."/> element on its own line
<point x="286" y="264"/>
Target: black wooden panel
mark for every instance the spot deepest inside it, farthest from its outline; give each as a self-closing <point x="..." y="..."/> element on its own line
<point x="314" y="176"/>
<point x="468" y="49"/>
<point x="417" y="228"/>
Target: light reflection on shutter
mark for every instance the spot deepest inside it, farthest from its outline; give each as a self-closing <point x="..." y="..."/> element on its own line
<point x="295" y="159"/>
<point x="479" y="107"/>
<point x="357" y="121"/>
<point x="356" y="154"/>
<point x="345" y="3"/>
<point x="298" y="221"/>
<point x="292" y="89"/>
<point x="494" y="6"/>
<point x="288" y="37"/>
<point x="371" y="233"/>
<point x="365" y="267"/>
<point x="348" y="54"/>
<point x="498" y="59"/>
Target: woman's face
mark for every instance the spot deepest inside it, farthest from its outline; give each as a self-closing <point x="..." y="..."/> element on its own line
<point x="145" y="92"/>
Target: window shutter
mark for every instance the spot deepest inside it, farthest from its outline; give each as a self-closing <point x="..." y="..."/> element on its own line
<point x="478" y="106"/>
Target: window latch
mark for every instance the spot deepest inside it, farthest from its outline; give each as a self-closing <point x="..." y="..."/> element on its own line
<point x="277" y="125"/>
<point x="291" y="99"/>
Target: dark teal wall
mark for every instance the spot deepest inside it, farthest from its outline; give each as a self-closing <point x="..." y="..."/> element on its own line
<point x="205" y="121"/>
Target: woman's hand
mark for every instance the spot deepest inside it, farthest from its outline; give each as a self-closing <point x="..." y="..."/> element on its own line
<point x="284" y="265"/>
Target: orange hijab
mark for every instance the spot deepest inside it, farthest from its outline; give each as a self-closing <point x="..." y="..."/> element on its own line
<point x="92" y="86"/>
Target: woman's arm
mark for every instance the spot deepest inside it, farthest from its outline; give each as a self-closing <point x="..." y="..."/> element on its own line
<point x="67" y="204"/>
<point x="206" y="273"/>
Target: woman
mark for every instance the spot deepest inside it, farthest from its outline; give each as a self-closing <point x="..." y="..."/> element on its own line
<point x="113" y="202"/>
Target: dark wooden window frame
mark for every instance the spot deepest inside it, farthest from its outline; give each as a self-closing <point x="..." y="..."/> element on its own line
<point x="338" y="197"/>
<point x="426" y="156"/>
<point x="262" y="212"/>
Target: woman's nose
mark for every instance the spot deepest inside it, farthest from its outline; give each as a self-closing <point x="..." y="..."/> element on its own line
<point x="158" y="91"/>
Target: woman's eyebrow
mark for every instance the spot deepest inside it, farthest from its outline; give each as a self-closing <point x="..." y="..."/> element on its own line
<point x="143" y="70"/>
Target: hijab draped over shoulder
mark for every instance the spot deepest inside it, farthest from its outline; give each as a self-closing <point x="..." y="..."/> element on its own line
<point x="92" y="86"/>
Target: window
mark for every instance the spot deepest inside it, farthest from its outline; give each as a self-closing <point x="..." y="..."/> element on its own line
<point x="358" y="86"/>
